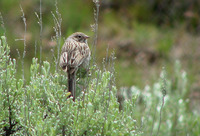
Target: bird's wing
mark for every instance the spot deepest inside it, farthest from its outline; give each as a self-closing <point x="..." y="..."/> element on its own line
<point x="67" y="48"/>
<point x="80" y="54"/>
<point x="73" y="54"/>
<point x="84" y="50"/>
<point x="63" y="61"/>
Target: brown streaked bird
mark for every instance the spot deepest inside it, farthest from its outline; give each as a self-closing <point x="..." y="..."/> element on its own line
<point x="75" y="53"/>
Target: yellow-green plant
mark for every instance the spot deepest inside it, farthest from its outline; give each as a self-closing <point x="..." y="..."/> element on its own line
<point x="42" y="106"/>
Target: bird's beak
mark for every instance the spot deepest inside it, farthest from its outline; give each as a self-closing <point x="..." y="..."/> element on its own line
<point x="87" y="37"/>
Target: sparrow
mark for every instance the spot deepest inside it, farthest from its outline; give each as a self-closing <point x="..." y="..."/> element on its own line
<point x="75" y="53"/>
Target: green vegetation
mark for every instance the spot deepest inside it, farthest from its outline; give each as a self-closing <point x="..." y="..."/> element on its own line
<point x="175" y="116"/>
<point x="43" y="107"/>
<point x="122" y="97"/>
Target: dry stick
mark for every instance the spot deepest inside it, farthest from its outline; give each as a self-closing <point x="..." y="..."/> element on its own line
<point x="59" y="21"/>
<point x="96" y="16"/>
<point x="24" y="54"/>
<point x="53" y="57"/>
<point x="93" y="50"/>
<point x="19" y="56"/>
<point x="40" y="23"/>
<point x="41" y="27"/>
<point x="111" y="66"/>
<point x="24" y="40"/>
<point x="105" y="60"/>
<point x="35" y="48"/>
<point x="95" y="29"/>
<point x="57" y="29"/>
<point x="107" y="55"/>
<point x="163" y="101"/>
<point x="163" y="98"/>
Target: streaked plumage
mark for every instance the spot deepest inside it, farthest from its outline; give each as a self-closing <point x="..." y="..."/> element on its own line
<point x="75" y="53"/>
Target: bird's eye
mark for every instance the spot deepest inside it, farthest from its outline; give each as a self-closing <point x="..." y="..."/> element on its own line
<point x="79" y="36"/>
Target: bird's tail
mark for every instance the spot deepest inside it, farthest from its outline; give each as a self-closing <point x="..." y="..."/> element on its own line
<point x="72" y="84"/>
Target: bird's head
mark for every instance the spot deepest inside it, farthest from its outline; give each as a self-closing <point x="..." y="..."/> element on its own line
<point x="79" y="37"/>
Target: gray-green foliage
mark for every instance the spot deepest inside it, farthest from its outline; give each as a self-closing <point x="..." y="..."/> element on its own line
<point x="176" y="117"/>
<point x="11" y="90"/>
<point x="42" y="107"/>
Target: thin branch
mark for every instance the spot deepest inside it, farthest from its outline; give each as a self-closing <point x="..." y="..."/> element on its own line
<point x="41" y="31"/>
<point x="95" y="28"/>
<point x="35" y="48"/>
<point x="93" y="49"/>
<point x="24" y="39"/>
<point x="23" y="56"/>
<point x="163" y="101"/>
<point x="57" y="28"/>
<point x="39" y="17"/>
<point x="163" y="76"/>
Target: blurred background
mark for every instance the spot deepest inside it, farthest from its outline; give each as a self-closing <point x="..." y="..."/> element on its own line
<point x="145" y="35"/>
